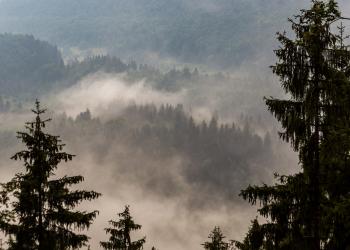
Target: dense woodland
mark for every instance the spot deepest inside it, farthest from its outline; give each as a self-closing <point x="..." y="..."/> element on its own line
<point x="27" y="62"/>
<point x="31" y="67"/>
<point x="19" y="88"/>
<point x="220" y="157"/>
<point x="216" y="33"/>
<point x="149" y="136"/>
<point x="216" y="158"/>
<point x="166" y="151"/>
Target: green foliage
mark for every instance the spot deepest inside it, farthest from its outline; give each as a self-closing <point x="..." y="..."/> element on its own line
<point x="216" y="241"/>
<point x="254" y="239"/>
<point x="42" y="207"/>
<point x="120" y="233"/>
<point x="304" y="208"/>
<point x="285" y="204"/>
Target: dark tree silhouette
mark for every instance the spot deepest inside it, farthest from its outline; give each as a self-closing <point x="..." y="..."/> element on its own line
<point x="43" y="206"/>
<point x="120" y="238"/>
<point x="254" y="238"/>
<point x="304" y="209"/>
<point x="216" y="241"/>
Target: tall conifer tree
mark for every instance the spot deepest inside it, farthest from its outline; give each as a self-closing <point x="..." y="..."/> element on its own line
<point x="120" y="233"/>
<point x="304" y="209"/>
<point x="43" y="206"/>
<point x="216" y="241"/>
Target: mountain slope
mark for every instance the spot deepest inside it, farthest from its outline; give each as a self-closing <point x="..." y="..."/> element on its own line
<point x="27" y="64"/>
<point x="223" y="32"/>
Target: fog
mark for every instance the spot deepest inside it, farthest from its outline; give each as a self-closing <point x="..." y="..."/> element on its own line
<point x="175" y="212"/>
<point x="176" y="202"/>
<point x="168" y="222"/>
<point x="228" y="95"/>
<point x="107" y="95"/>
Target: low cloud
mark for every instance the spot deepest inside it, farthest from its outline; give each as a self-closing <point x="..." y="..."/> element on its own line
<point x="167" y="220"/>
<point x="106" y="95"/>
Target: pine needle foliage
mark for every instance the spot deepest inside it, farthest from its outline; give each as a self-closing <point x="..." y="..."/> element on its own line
<point x="216" y="241"/>
<point x="254" y="239"/>
<point x="42" y="206"/>
<point x="310" y="210"/>
<point x="120" y="233"/>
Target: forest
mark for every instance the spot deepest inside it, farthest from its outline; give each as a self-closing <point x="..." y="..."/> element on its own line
<point x="102" y="149"/>
<point x="216" y="33"/>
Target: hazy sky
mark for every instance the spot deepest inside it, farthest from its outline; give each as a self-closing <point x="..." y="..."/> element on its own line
<point x="169" y="223"/>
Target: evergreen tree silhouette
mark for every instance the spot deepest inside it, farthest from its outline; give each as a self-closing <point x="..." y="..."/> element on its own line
<point x="216" y="241"/>
<point x="120" y="238"/>
<point x="42" y="205"/>
<point x="254" y="239"/>
<point x="307" y="210"/>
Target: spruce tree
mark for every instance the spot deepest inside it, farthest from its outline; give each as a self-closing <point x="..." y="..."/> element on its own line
<point x="254" y="239"/>
<point x="216" y="241"/>
<point x="309" y="210"/>
<point x="42" y="206"/>
<point x="120" y="233"/>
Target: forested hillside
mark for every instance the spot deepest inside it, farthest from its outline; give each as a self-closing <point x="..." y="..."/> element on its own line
<point x="28" y="65"/>
<point x="33" y="68"/>
<point x="151" y="125"/>
<point x="214" y="158"/>
<point x="222" y="33"/>
<point x="178" y="142"/>
<point x="162" y="154"/>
